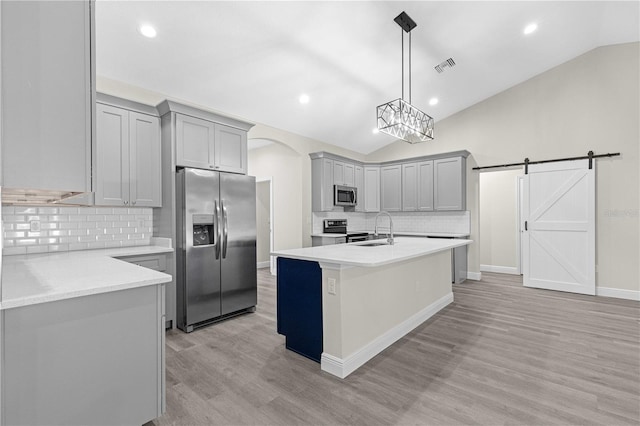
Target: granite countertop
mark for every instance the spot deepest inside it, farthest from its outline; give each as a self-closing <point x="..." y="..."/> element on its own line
<point x="354" y="255"/>
<point x="39" y="278"/>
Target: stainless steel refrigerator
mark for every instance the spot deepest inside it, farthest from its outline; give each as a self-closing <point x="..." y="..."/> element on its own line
<point x="216" y="246"/>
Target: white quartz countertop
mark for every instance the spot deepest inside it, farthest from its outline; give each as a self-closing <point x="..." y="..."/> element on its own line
<point x="40" y="278"/>
<point x="354" y="254"/>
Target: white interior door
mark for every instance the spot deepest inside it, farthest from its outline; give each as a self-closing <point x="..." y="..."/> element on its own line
<point x="559" y="236"/>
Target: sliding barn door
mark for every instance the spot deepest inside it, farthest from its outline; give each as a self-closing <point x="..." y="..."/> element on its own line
<point x="559" y="236"/>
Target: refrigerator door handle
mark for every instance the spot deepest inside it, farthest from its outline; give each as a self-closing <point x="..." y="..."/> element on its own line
<point x="225" y="235"/>
<point x="216" y="221"/>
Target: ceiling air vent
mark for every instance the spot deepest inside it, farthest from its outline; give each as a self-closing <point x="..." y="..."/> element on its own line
<point x="449" y="63"/>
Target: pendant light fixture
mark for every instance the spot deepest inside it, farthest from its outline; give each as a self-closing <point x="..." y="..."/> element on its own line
<point x="399" y="118"/>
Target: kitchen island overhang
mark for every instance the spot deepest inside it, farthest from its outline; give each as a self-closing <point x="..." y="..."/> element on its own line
<point x="365" y="298"/>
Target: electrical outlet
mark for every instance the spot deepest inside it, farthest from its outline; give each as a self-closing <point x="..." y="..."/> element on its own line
<point x="34" y="226"/>
<point x="332" y="285"/>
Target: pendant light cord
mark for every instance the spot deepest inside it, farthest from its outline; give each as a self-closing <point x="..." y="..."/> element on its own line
<point x="409" y="67"/>
<point x="402" y="43"/>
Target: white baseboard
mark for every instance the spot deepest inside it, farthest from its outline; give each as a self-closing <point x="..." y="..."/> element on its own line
<point x="264" y="264"/>
<point x="618" y="293"/>
<point x="499" y="269"/>
<point x="475" y="276"/>
<point x="343" y="367"/>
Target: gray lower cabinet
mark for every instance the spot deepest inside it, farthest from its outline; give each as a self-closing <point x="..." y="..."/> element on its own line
<point x="87" y="360"/>
<point x="449" y="184"/>
<point x="158" y="262"/>
<point x="47" y="103"/>
<point x="391" y="188"/>
<point x="128" y="163"/>
<point x="207" y="145"/>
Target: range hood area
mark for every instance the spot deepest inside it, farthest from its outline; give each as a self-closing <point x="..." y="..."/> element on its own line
<point x="38" y="197"/>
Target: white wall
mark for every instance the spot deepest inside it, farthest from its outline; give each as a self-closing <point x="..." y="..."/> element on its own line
<point x="588" y="103"/>
<point x="263" y="236"/>
<point x="499" y="221"/>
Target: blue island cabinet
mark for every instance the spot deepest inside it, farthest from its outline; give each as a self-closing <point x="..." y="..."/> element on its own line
<point x="299" y="300"/>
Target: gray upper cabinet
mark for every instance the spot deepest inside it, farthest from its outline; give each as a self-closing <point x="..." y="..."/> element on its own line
<point x="391" y="188"/>
<point x="343" y="173"/>
<point x="207" y="145"/>
<point x="449" y="183"/>
<point x="359" y="184"/>
<point x="371" y="189"/>
<point x="322" y="175"/>
<point x="338" y="173"/>
<point x="349" y="174"/>
<point x="145" y="176"/>
<point x="195" y="142"/>
<point x="410" y="187"/>
<point x="425" y="186"/>
<point x="128" y="163"/>
<point x="230" y="153"/>
<point x="47" y="76"/>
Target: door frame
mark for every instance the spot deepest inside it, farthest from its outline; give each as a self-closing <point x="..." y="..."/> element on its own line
<point x="519" y="228"/>
<point x="272" y="259"/>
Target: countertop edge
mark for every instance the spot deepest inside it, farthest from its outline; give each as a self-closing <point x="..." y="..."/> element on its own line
<point x="288" y="254"/>
<point x="114" y="253"/>
<point x="36" y="300"/>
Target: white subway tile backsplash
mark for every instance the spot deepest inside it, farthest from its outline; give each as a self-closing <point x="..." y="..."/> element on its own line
<point x="14" y="250"/>
<point x="420" y="222"/>
<point x="26" y="210"/>
<point x="48" y="210"/>
<point x="74" y="228"/>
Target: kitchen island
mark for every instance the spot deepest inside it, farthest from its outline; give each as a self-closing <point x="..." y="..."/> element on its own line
<point x="82" y="338"/>
<point x="343" y="304"/>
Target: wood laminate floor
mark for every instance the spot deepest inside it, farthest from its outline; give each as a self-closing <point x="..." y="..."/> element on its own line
<point x="499" y="354"/>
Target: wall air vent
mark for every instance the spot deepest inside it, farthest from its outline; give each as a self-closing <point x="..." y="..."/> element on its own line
<point x="449" y="63"/>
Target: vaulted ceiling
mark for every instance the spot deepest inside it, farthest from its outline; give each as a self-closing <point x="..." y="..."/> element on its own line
<point x="254" y="59"/>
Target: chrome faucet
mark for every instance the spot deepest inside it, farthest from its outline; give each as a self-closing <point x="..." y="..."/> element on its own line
<point x="375" y="232"/>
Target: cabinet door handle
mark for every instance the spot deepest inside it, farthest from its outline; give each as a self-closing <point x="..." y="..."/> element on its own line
<point x="133" y="202"/>
<point x="126" y="202"/>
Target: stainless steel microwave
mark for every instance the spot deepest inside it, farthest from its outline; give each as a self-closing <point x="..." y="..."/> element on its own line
<point x="345" y="196"/>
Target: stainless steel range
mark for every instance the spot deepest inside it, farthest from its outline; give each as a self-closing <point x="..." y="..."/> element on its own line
<point x="339" y="226"/>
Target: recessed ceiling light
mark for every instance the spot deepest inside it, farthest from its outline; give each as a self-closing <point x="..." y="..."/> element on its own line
<point x="375" y="130"/>
<point x="147" y="31"/>
<point x="433" y="101"/>
<point x="304" y="98"/>
<point x="530" y="28"/>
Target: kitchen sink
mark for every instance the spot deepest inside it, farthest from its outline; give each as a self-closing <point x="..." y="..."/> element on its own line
<point x="374" y="243"/>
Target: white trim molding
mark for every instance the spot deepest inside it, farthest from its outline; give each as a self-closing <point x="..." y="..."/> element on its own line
<point x="513" y="270"/>
<point x="475" y="276"/>
<point x="343" y="367"/>
<point x="264" y="264"/>
<point x="618" y="293"/>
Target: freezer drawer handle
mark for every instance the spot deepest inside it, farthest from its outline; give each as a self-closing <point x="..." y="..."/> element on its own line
<point x="225" y="234"/>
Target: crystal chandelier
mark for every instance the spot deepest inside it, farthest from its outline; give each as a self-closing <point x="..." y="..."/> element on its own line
<point x="399" y="118"/>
